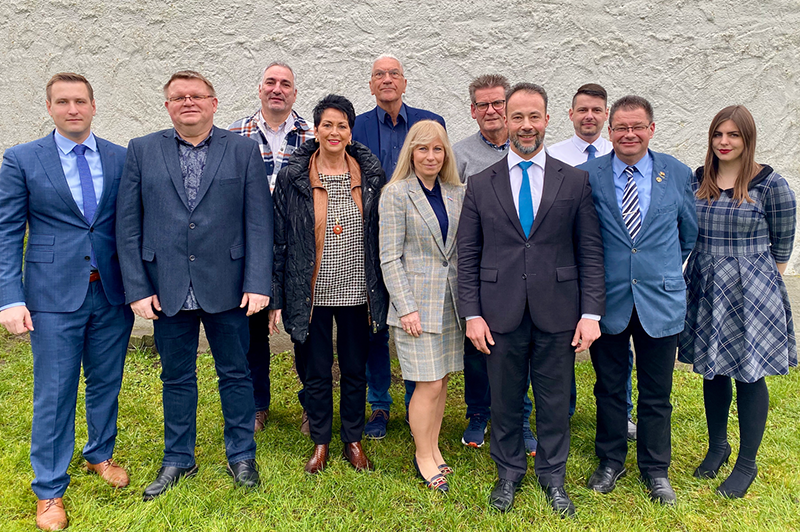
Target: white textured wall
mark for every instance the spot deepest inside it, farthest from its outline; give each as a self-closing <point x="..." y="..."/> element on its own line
<point x="689" y="58"/>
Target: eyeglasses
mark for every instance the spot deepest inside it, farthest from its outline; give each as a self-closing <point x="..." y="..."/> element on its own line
<point x="484" y="106"/>
<point x="195" y="98"/>
<point x="394" y="74"/>
<point x="621" y="130"/>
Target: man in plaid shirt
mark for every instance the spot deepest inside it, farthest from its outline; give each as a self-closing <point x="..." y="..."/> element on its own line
<point x="279" y="130"/>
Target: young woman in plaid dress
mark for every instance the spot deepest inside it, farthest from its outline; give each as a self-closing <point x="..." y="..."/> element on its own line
<point x="738" y="322"/>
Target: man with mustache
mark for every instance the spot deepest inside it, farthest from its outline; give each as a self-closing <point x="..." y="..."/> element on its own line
<point x="279" y="130"/>
<point x="531" y="286"/>
<point x="588" y="115"/>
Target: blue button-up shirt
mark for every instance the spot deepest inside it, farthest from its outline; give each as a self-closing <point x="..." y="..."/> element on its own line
<point x="69" y="162"/>
<point x="436" y="202"/>
<point x="390" y="138"/>
<point x="643" y="177"/>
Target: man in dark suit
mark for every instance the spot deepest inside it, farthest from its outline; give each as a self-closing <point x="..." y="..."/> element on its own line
<point x="194" y="231"/>
<point x="649" y="224"/>
<point x="530" y="284"/>
<point x="383" y="130"/>
<point x="71" y="300"/>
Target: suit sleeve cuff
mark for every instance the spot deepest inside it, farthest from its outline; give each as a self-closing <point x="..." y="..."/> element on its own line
<point x="17" y="304"/>
<point x="471" y="317"/>
<point x="594" y="317"/>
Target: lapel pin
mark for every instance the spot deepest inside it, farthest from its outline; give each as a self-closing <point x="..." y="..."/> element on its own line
<point x="661" y="176"/>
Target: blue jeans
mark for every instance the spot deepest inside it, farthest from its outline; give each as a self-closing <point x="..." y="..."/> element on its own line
<point x="95" y="336"/>
<point x="176" y="340"/>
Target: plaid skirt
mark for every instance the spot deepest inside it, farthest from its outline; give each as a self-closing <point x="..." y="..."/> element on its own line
<point x="738" y="320"/>
<point x="432" y="356"/>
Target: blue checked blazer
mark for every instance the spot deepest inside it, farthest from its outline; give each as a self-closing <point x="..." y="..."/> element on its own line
<point x="418" y="266"/>
<point x="647" y="273"/>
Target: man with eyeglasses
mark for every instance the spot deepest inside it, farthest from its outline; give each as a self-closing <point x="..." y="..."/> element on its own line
<point x="194" y="235"/>
<point x="473" y="155"/>
<point x="70" y="298"/>
<point x="279" y="130"/>
<point x="647" y="217"/>
<point x="588" y="115"/>
<point x="383" y="130"/>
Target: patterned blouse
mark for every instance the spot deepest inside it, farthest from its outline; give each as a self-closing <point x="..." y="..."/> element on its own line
<point x="341" y="280"/>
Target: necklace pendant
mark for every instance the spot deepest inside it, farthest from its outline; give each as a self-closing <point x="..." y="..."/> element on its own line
<point x="337" y="229"/>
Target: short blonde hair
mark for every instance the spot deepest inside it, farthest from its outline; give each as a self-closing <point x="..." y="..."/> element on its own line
<point x="189" y="74"/>
<point x="422" y="133"/>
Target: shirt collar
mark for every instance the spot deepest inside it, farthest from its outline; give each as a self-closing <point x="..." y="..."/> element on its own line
<point x="65" y="145"/>
<point x="287" y="124"/>
<point x="435" y="191"/>
<point x="382" y="114"/>
<point x="199" y="144"/>
<point x="619" y="167"/>
<point x="538" y="159"/>
<point x="493" y="145"/>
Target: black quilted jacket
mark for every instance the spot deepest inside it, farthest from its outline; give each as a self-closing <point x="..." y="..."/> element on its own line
<point x="294" y="246"/>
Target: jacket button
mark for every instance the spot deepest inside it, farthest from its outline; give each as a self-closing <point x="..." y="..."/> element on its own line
<point x="634" y="250"/>
<point x="91" y="229"/>
<point x="444" y="263"/>
<point x="527" y="244"/>
<point x="308" y="299"/>
<point x="191" y="258"/>
<point x="524" y="275"/>
<point x="192" y="226"/>
<point x="87" y="257"/>
<point x="635" y="281"/>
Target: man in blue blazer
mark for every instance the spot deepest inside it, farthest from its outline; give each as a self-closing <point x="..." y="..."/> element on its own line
<point x="649" y="225"/>
<point x="383" y="130"/>
<point x="194" y="232"/>
<point x="70" y="297"/>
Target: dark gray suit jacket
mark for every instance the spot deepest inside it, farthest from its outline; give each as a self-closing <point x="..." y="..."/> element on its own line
<point x="223" y="247"/>
<point x="557" y="271"/>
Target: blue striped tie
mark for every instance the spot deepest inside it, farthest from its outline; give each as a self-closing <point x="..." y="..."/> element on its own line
<point x="630" y="205"/>
<point x="525" y="200"/>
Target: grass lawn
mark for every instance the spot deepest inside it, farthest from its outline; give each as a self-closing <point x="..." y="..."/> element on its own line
<point x="390" y="499"/>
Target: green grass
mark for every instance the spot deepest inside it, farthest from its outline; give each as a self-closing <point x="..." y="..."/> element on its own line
<point x="390" y="499"/>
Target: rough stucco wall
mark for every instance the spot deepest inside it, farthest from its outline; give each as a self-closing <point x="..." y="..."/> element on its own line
<point x="688" y="58"/>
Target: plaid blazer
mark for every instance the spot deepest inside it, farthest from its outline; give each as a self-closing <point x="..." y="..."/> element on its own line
<point x="418" y="266"/>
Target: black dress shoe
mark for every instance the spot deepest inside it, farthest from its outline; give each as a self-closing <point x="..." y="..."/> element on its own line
<point x="604" y="479"/>
<point x="559" y="500"/>
<point x="244" y="473"/>
<point x="660" y="490"/>
<point x="711" y="464"/>
<point x="167" y="477"/>
<point x="502" y="496"/>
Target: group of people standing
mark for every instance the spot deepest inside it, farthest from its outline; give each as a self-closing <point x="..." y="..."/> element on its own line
<point x="499" y="256"/>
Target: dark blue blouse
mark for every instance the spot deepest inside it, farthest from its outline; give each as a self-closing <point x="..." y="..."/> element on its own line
<point x="437" y="204"/>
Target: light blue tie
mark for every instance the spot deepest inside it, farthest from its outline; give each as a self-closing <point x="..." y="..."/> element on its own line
<point x="591" y="151"/>
<point x="87" y="188"/>
<point x="525" y="200"/>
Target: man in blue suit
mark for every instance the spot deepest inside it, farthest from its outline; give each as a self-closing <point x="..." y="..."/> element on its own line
<point x="649" y="225"/>
<point x="194" y="232"/>
<point x="383" y="130"/>
<point x="70" y="298"/>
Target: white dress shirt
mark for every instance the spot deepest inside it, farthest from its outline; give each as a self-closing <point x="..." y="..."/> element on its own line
<point x="535" y="178"/>
<point x="573" y="150"/>
<point x="275" y="138"/>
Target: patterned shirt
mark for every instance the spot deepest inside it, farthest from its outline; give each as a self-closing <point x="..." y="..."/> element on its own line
<point x="193" y="162"/>
<point x="297" y="135"/>
<point x="341" y="280"/>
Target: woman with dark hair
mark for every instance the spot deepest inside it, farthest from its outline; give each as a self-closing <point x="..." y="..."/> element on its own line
<point x="419" y="213"/>
<point x="738" y="322"/>
<point x="326" y="267"/>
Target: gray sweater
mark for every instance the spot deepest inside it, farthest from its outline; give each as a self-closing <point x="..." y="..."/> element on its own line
<point x="473" y="155"/>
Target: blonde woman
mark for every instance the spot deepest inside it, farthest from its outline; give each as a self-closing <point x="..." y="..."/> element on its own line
<point x="419" y="212"/>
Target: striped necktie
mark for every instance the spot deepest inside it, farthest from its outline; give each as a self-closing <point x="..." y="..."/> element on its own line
<point x="630" y="205"/>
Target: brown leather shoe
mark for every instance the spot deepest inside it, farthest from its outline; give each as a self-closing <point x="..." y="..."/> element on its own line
<point x="50" y="514"/>
<point x="354" y="454"/>
<point x="261" y="419"/>
<point x="109" y="471"/>
<point x="305" y="428"/>
<point x="318" y="460"/>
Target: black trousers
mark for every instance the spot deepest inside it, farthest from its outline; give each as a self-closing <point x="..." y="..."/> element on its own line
<point x="549" y="359"/>
<point x="258" y="358"/>
<point x="655" y="361"/>
<point x="316" y="357"/>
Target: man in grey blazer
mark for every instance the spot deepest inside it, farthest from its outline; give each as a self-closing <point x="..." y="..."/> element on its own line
<point x="530" y="284"/>
<point x="194" y="233"/>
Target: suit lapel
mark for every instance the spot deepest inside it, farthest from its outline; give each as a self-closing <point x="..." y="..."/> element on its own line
<point x="216" y="149"/>
<point x="449" y="194"/>
<point x="501" y="182"/>
<point x="607" y="188"/>
<point x="47" y="153"/>
<point x="552" y="180"/>
<point x="657" y="189"/>
<point x="172" y="160"/>
<point x="425" y="210"/>
<point x="109" y="162"/>
<point x="374" y="136"/>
